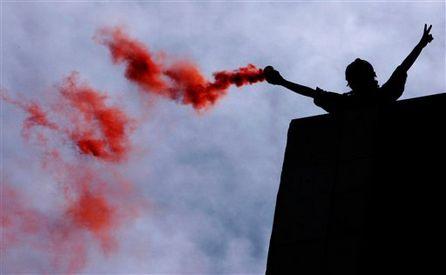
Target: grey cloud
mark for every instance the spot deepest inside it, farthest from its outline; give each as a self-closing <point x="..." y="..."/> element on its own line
<point x="212" y="178"/>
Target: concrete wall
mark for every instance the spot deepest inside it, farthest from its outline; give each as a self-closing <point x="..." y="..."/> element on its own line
<point x="362" y="192"/>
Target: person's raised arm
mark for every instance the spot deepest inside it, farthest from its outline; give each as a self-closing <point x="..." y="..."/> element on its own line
<point x="425" y="39"/>
<point x="274" y="77"/>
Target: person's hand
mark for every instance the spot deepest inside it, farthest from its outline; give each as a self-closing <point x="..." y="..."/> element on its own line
<point x="427" y="37"/>
<point x="272" y="76"/>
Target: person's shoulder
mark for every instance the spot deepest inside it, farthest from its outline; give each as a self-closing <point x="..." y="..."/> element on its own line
<point x="329" y="101"/>
<point x="394" y="87"/>
<point x="326" y="96"/>
<point x="323" y="92"/>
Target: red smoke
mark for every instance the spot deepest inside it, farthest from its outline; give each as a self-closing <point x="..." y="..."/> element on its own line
<point x="81" y="113"/>
<point x="36" y="116"/>
<point x="63" y="237"/>
<point x="99" y="130"/>
<point x="99" y="203"/>
<point x="53" y="237"/>
<point x="92" y="212"/>
<point x="83" y="140"/>
<point x="97" y="200"/>
<point x="179" y="80"/>
<point x="16" y="217"/>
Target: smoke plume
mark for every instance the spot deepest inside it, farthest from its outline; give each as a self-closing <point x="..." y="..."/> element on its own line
<point x="96" y="198"/>
<point x="178" y="80"/>
<point x="83" y="141"/>
<point x="81" y="115"/>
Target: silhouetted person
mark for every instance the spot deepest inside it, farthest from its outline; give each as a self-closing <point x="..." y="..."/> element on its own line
<point x="360" y="77"/>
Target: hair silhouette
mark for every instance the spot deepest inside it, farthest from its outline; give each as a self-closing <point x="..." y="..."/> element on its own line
<point x="360" y="75"/>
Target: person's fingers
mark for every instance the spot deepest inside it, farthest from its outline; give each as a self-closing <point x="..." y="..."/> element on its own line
<point x="425" y="27"/>
<point x="429" y="29"/>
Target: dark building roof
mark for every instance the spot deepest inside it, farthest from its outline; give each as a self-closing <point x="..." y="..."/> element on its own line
<point x="362" y="192"/>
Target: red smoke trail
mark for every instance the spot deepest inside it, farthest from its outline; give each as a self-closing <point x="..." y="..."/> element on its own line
<point x="15" y="215"/>
<point x="100" y="203"/>
<point x="36" y="116"/>
<point x="179" y="80"/>
<point x="100" y="130"/>
<point x="97" y="200"/>
<point x="91" y="211"/>
<point x="96" y="128"/>
<point x="52" y="237"/>
<point x="62" y="238"/>
<point x="94" y="200"/>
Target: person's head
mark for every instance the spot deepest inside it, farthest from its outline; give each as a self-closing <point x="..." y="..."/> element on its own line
<point x="360" y="76"/>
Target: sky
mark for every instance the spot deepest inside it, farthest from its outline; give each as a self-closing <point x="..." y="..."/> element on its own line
<point x="208" y="179"/>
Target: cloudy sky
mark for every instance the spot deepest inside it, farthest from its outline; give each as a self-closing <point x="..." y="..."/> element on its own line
<point x="211" y="178"/>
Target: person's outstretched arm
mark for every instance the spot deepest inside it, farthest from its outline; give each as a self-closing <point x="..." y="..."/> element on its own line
<point x="394" y="87"/>
<point x="425" y="39"/>
<point x="274" y="77"/>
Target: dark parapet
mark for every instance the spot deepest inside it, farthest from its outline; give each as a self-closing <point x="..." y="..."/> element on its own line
<point x="362" y="192"/>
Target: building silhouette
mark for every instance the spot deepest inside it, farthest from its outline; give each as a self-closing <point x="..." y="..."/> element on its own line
<point x="362" y="192"/>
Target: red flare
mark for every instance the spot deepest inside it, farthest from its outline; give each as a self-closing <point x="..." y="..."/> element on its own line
<point x="181" y="80"/>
